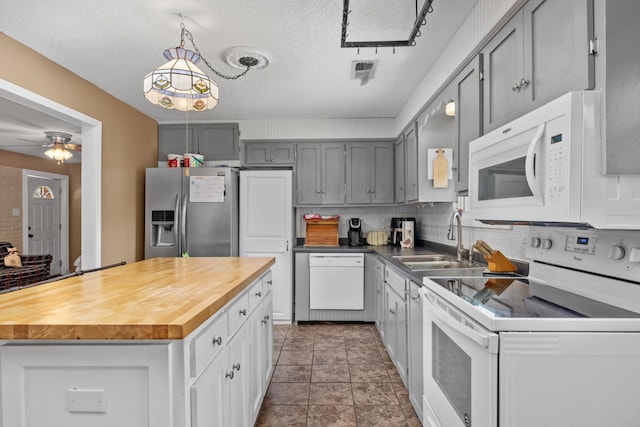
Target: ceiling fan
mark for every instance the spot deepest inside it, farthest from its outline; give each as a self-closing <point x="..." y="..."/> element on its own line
<point x="59" y="146"/>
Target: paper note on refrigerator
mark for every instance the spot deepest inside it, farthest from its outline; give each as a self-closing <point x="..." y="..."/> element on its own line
<point x="207" y="189"/>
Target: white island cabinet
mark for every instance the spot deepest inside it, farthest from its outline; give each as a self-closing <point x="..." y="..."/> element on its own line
<point x="215" y="375"/>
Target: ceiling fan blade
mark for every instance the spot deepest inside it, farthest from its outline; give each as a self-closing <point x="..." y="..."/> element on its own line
<point x="41" y="143"/>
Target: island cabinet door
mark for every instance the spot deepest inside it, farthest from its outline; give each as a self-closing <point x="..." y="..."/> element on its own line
<point x="207" y="394"/>
<point x="76" y="385"/>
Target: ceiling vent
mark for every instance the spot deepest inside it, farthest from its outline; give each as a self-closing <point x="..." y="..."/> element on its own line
<point x="363" y="70"/>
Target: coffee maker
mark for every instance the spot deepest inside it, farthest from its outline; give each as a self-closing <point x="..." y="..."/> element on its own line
<point x="397" y="229"/>
<point x="355" y="232"/>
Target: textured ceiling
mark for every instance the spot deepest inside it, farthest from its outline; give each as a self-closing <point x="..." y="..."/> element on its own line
<point x="114" y="44"/>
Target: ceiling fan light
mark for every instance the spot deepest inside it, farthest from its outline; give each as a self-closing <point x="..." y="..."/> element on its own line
<point x="58" y="153"/>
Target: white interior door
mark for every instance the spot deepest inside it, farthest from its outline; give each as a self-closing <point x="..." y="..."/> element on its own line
<point x="266" y="229"/>
<point x="44" y="226"/>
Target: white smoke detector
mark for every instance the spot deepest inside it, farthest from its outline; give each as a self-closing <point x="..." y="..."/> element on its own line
<point x="363" y="70"/>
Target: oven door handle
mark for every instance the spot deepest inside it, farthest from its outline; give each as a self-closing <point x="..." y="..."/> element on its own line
<point x="488" y="341"/>
<point x="530" y="165"/>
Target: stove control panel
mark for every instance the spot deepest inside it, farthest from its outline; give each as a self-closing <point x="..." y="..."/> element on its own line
<point x="581" y="244"/>
<point x="612" y="253"/>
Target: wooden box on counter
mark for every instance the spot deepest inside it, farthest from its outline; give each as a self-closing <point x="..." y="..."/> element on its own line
<point x="322" y="232"/>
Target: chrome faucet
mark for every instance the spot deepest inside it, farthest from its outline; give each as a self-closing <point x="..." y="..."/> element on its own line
<point x="457" y="214"/>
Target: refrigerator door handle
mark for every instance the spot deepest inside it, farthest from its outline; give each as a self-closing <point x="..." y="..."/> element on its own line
<point x="176" y="215"/>
<point x="183" y="227"/>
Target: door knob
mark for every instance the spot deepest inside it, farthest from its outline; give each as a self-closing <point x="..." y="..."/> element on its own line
<point x="30" y="235"/>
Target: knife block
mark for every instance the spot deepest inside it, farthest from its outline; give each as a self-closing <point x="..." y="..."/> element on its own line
<point x="499" y="263"/>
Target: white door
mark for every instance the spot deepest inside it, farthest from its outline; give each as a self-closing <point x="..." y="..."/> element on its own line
<point x="266" y="229"/>
<point x="44" y="225"/>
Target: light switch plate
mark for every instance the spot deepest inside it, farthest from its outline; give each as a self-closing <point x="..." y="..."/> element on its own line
<point x="86" y="400"/>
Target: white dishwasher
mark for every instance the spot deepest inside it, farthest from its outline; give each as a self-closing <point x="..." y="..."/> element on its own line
<point x="336" y="281"/>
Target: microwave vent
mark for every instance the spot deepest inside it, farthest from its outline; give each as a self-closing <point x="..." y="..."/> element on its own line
<point x="363" y="70"/>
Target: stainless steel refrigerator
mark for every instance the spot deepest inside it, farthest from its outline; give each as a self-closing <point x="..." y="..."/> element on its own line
<point x="195" y="214"/>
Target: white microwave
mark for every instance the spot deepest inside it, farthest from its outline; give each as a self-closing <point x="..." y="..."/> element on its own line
<point x="544" y="168"/>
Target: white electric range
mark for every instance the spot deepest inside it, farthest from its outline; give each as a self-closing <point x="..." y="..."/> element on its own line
<point x="560" y="347"/>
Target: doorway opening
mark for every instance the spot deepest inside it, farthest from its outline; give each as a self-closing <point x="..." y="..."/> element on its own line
<point x="91" y="204"/>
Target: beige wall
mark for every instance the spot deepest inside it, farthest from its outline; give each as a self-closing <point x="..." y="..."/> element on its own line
<point x="129" y="145"/>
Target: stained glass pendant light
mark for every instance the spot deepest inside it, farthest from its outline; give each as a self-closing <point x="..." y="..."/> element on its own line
<point x="180" y="84"/>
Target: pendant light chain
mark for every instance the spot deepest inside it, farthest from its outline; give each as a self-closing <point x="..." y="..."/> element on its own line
<point x="186" y="33"/>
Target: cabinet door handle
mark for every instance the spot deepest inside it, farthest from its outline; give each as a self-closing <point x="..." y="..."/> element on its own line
<point x="373" y="191"/>
<point x="515" y="87"/>
<point x="524" y="83"/>
<point x="366" y="191"/>
<point x="258" y="294"/>
<point x="392" y="311"/>
<point x="269" y="282"/>
<point x="243" y="311"/>
<point x="217" y="341"/>
<point x="229" y="375"/>
<point x="236" y="367"/>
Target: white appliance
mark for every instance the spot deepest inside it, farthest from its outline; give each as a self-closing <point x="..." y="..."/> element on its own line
<point x="559" y="348"/>
<point x="266" y="230"/>
<point x="336" y="281"/>
<point x="407" y="234"/>
<point x="195" y="214"/>
<point x="545" y="168"/>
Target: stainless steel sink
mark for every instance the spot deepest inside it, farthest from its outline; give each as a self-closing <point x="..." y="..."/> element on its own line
<point x="428" y="263"/>
<point x="421" y="258"/>
<point x="436" y="265"/>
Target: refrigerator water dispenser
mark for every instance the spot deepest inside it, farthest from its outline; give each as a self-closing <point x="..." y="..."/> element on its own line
<point x="162" y="228"/>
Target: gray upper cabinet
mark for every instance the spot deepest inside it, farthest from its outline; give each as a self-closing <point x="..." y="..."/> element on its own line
<point x="259" y="153"/>
<point x="411" y="164"/>
<point x="320" y="174"/>
<point x="621" y="53"/>
<point x="175" y="139"/>
<point x="503" y="70"/>
<point x="219" y="141"/>
<point x="540" y="54"/>
<point x="468" y="119"/>
<point x="398" y="156"/>
<point x="370" y="172"/>
<point x="215" y="141"/>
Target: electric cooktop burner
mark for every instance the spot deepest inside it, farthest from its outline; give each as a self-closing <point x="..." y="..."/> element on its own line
<point x="526" y="298"/>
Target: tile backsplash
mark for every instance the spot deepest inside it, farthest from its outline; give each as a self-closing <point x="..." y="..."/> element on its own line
<point x="432" y="219"/>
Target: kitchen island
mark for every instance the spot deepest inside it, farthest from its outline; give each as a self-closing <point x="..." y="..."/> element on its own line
<point x="161" y="342"/>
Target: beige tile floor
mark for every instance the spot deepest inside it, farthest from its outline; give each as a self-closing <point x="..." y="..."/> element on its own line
<point x="334" y="375"/>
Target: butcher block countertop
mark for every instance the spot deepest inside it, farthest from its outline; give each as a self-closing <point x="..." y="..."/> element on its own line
<point x="159" y="298"/>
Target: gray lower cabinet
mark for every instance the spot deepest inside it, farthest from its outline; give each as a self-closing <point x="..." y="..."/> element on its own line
<point x="398" y="170"/>
<point x="540" y="54"/>
<point x="263" y="153"/>
<point x="215" y="141"/>
<point x="468" y="119"/>
<point x="414" y="324"/>
<point x="320" y="174"/>
<point x="380" y="294"/>
<point x="370" y="172"/>
<point x="302" y="312"/>
<point x="396" y="323"/>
